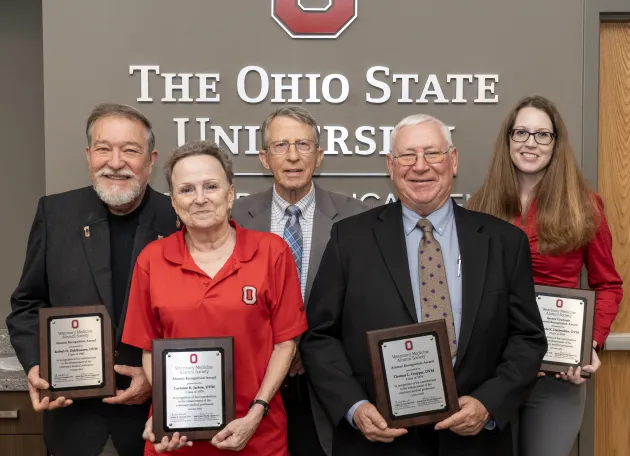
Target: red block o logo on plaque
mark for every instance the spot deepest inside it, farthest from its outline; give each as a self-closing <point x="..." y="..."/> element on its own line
<point x="408" y="345"/>
<point x="324" y="22"/>
<point x="559" y="303"/>
<point x="75" y="324"/>
<point x="193" y="358"/>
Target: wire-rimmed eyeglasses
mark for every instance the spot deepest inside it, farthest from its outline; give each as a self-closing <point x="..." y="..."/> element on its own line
<point x="303" y="146"/>
<point x="432" y="157"/>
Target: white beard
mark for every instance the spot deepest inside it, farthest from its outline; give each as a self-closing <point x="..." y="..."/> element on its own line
<point x="116" y="196"/>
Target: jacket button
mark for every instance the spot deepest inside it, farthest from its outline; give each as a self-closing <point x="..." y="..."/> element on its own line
<point x="115" y="354"/>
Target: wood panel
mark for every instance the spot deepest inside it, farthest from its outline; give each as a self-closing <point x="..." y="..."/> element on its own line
<point x="614" y="148"/>
<point x="612" y="396"/>
<point x="22" y="445"/>
<point x="28" y="420"/>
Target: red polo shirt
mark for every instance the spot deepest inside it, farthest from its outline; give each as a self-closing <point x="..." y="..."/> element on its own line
<point x="563" y="270"/>
<point x="171" y="297"/>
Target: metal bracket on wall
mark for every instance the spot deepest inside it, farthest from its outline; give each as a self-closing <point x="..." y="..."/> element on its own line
<point x="618" y="341"/>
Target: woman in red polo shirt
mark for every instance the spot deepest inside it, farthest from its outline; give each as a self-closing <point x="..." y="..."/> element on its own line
<point x="214" y="279"/>
<point x="534" y="182"/>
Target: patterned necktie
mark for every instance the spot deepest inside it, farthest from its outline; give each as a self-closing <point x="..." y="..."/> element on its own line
<point x="293" y="235"/>
<point x="435" y="302"/>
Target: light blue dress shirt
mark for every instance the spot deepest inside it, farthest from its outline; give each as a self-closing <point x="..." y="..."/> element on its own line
<point x="445" y="232"/>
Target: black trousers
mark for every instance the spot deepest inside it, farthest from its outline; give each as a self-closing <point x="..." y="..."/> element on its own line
<point x="302" y="434"/>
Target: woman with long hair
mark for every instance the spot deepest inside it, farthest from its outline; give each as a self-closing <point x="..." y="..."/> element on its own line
<point x="534" y="182"/>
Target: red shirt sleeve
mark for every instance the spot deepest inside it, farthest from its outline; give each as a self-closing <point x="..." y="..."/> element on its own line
<point x="142" y="323"/>
<point x="288" y="319"/>
<point x="603" y="278"/>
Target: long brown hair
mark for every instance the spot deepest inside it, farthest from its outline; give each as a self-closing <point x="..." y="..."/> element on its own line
<point x="567" y="215"/>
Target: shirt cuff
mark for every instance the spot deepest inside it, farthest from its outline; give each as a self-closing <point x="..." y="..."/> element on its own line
<point x="350" y="414"/>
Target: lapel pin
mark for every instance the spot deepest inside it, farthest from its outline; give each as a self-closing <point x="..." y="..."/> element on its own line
<point x="160" y="236"/>
<point x="86" y="231"/>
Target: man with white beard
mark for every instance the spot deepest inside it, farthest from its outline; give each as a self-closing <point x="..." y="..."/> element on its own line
<point x="81" y="251"/>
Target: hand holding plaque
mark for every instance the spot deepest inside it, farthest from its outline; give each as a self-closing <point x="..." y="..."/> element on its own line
<point x="567" y="315"/>
<point x="413" y="374"/>
<point x="76" y="352"/>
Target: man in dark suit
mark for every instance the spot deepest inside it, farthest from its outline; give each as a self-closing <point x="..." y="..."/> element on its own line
<point x="290" y="141"/>
<point x="81" y="251"/>
<point x="425" y="258"/>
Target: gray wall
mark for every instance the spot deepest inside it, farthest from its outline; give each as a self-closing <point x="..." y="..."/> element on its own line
<point x="22" y="179"/>
<point x="537" y="49"/>
<point x="528" y="51"/>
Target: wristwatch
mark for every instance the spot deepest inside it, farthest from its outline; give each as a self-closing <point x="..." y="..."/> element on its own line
<point x="261" y="402"/>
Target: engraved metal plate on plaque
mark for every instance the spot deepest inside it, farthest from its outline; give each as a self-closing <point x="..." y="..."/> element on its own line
<point x="563" y="319"/>
<point x="414" y="378"/>
<point x="412" y="371"/>
<point x="568" y="315"/>
<point x="76" y="352"/>
<point x="193" y="386"/>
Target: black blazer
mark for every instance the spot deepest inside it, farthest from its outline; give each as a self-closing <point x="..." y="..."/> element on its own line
<point x="63" y="267"/>
<point x="364" y="284"/>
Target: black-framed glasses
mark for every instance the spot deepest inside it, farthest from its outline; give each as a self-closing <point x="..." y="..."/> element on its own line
<point x="303" y="146"/>
<point x="432" y="157"/>
<point x="543" y="138"/>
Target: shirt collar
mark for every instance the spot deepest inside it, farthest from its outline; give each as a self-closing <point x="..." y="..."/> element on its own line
<point x="280" y="205"/>
<point x="176" y="251"/>
<point x="440" y="218"/>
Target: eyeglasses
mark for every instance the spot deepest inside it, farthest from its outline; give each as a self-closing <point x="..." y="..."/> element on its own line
<point x="432" y="157"/>
<point x="541" y="137"/>
<point x="303" y="146"/>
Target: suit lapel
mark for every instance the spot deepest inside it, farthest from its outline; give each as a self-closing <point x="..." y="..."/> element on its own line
<point x="325" y="213"/>
<point x="260" y="212"/>
<point x="94" y="232"/>
<point x="473" y="247"/>
<point x="390" y="236"/>
<point x="147" y="231"/>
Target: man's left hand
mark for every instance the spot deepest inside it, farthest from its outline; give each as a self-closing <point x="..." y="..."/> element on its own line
<point x="296" y="365"/>
<point x="470" y="420"/>
<point x="139" y="390"/>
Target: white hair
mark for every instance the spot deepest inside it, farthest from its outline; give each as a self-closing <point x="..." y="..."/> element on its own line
<point x="417" y="119"/>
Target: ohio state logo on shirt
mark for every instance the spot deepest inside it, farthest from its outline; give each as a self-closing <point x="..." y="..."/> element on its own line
<point x="249" y="294"/>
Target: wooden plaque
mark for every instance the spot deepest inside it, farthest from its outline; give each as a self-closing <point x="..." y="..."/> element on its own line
<point x="76" y="352"/>
<point x="193" y="386"/>
<point x="413" y="374"/>
<point x="567" y="315"/>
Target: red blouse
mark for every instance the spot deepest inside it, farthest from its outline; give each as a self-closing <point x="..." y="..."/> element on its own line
<point x="563" y="270"/>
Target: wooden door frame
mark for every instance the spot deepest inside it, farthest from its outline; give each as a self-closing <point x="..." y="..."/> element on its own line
<point x="595" y="12"/>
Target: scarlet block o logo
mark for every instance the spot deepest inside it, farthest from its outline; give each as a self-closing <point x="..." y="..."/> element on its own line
<point x="408" y="345"/>
<point x="193" y="358"/>
<point x="249" y="294"/>
<point x="75" y="324"/>
<point x="559" y="303"/>
<point x="301" y="22"/>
